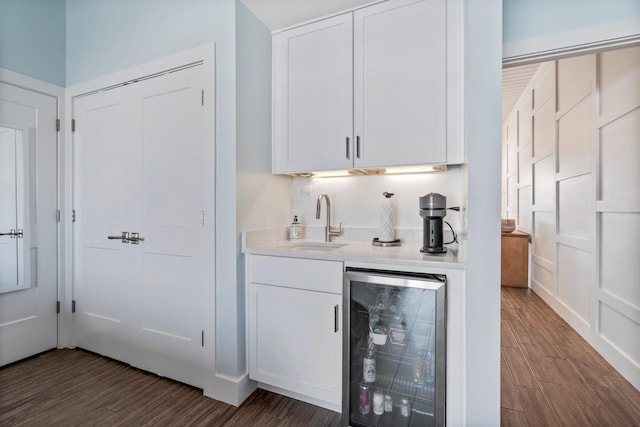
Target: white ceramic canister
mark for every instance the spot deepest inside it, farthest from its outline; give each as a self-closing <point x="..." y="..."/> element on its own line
<point x="387" y="232"/>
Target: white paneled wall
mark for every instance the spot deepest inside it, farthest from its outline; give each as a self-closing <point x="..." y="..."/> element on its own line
<point x="510" y="166"/>
<point x="617" y="151"/>
<point x="544" y="171"/>
<point x="571" y="177"/>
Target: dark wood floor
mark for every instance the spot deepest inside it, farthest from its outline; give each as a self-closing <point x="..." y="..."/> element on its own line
<point x="77" y="388"/>
<point x="550" y="377"/>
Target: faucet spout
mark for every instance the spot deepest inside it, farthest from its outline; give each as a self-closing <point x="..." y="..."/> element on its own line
<point x="325" y="197"/>
<point x="328" y="231"/>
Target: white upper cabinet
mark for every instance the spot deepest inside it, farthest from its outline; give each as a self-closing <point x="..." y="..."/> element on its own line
<point x="313" y="101"/>
<point x="377" y="87"/>
<point x="400" y="83"/>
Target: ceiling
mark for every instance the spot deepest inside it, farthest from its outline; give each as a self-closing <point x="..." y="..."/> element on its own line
<point x="277" y="14"/>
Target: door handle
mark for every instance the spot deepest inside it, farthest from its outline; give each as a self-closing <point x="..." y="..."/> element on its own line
<point x="124" y="237"/>
<point x="135" y="238"/>
<point x="14" y="233"/>
<point x="336" y="318"/>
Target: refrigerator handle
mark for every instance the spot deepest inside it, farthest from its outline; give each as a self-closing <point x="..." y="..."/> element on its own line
<point x="336" y="318"/>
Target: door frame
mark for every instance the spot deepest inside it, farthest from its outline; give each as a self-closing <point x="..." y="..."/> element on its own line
<point x="39" y="86"/>
<point x="205" y="54"/>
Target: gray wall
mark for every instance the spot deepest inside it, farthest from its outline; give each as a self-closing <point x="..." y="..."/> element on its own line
<point x="32" y="38"/>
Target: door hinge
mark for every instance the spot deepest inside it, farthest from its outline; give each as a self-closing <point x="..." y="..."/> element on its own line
<point x="58" y="215"/>
<point x="57" y="307"/>
<point x="202" y="97"/>
<point x="73" y="306"/>
<point x="202" y="336"/>
<point x="73" y="125"/>
<point x="57" y="125"/>
<point x="73" y="215"/>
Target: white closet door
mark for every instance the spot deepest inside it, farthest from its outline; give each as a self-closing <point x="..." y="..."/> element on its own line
<point x="175" y="217"/>
<point x="28" y="201"/>
<point x="145" y="156"/>
<point x="107" y="184"/>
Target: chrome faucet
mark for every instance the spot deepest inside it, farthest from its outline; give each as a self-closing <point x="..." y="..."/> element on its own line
<point x="328" y="231"/>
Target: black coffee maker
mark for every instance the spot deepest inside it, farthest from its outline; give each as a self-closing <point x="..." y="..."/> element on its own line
<point x="433" y="207"/>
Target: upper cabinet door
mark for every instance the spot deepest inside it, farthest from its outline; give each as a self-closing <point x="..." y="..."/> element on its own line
<point x="400" y="84"/>
<point x="313" y="96"/>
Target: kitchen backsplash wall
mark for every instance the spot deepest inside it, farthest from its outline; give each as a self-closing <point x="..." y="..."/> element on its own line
<point x="355" y="200"/>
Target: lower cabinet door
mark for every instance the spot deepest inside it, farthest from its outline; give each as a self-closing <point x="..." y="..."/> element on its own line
<point x="295" y="340"/>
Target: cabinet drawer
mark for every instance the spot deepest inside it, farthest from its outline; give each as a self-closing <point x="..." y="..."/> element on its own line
<point x="311" y="274"/>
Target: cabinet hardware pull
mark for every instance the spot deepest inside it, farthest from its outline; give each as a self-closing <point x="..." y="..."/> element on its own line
<point x="347" y="145"/>
<point x="336" y="318"/>
<point x="358" y="146"/>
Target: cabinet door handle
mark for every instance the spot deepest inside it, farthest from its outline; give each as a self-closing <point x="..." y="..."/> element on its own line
<point x="347" y="145"/>
<point x="358" y="146"/>
<point x="336" y="318"/>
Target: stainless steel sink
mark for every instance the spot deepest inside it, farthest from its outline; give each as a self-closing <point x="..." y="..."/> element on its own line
<point x="316" y="246"/>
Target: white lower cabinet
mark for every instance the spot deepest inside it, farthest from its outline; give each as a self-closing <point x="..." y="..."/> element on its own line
<point x="294" y="313"/>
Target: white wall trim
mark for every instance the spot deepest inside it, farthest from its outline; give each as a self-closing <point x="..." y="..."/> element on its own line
<point x="628" y="205"/>
<point x="26" y="82"/>
<point x="187" y="56"/>
<point x="230" y="390"/>
<point x="582" y="41"/>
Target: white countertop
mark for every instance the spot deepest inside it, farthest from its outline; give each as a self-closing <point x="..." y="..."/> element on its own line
<point x="274" y="243"/>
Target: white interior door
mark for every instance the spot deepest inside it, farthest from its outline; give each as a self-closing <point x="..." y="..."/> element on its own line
<point x="28" y="223"/>
<point x="175" y="218"/>
<point x="145" y="165"/>
<point x="106" y="185"/>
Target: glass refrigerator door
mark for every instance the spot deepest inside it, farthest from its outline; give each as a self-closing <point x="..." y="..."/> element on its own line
<point x="395" y="367"/>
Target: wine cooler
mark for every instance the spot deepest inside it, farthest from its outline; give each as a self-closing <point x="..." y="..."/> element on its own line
<point x="394" y="349"/>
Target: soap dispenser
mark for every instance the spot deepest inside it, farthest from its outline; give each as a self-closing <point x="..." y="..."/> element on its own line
<point x="295" y="229"/>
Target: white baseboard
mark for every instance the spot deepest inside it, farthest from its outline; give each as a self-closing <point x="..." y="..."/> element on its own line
<point x="230" y="390"/>
<point x="327" y="405"/>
